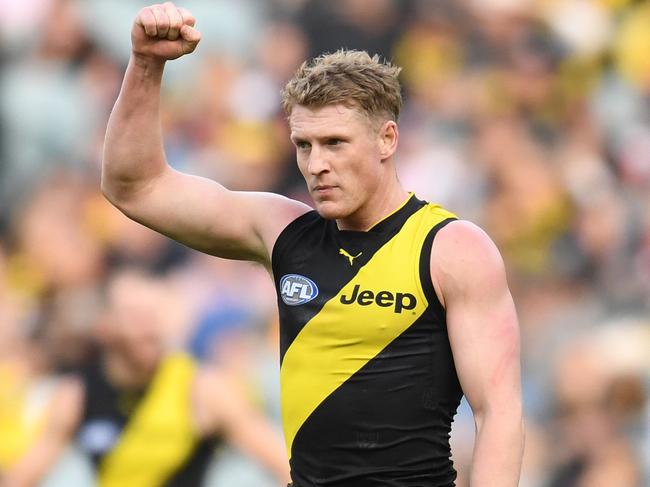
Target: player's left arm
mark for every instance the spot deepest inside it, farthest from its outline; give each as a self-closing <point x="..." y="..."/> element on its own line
<point x="470" y="278"/>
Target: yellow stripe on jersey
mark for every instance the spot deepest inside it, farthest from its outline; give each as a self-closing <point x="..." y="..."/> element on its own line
<point x="23" y="412"/>
<point x="368" y="313"/>
<point x="160" y="436"/>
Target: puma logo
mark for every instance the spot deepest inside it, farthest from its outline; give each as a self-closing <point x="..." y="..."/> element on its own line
<point x="350" y="257"/>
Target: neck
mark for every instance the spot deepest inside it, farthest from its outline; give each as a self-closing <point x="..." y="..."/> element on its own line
<point x="122" y="373"/>
<point x="379" y="206"/>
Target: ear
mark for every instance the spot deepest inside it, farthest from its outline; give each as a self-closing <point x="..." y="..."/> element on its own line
<point x="388" y="139"/>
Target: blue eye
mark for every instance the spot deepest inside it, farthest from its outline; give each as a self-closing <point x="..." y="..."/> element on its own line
<point x="334" y="142"/>
<point x="302" y="145"/>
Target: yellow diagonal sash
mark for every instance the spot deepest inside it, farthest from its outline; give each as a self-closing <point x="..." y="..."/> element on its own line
<point x="160" y="436"/>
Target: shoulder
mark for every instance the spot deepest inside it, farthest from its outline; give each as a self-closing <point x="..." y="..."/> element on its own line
<point x="464" y="258"/>
<point x="273" y="214"/>
<point x="461" y="242"/>
<point x="274" y="204"/>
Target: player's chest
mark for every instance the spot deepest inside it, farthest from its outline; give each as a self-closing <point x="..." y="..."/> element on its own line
<point x="335" y="285"/>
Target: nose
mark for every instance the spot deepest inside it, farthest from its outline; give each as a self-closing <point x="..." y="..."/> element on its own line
<point x="317" y="163"/>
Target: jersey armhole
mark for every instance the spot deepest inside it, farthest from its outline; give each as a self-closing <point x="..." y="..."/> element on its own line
<point x="435" y="305"/>
<point x="286" y="236"/>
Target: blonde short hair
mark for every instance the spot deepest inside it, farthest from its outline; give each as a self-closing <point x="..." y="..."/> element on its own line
<point x="349" y="77"/>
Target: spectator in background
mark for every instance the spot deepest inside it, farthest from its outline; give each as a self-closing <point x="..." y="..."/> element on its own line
<point x="26" y="385"/>
<point x="145" y="413"/>
<point x="350" y="23"/>
<point x="48" y="86"/>
<point x="590" y="416"/>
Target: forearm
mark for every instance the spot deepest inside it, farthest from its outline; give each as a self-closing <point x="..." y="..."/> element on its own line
<point x="33" y="467"/>
<point x="498" y="450"/>
<point x="133" y="147"/>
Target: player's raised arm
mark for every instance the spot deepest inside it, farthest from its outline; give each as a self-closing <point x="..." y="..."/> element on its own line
<point x="484" y="337"/>
<point x="136" y="177"/>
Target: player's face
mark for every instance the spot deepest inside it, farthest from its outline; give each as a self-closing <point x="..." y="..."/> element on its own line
<point x="135" y="321"/>
<point x="339" y="156"/>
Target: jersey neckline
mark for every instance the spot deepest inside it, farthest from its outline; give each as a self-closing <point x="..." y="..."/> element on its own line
<point x="396" y="218"/>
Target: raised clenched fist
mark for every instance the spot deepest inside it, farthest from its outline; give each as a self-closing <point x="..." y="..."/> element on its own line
<point x="164" y="32"/>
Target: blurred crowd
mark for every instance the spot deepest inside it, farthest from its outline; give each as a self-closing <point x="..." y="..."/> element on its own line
<point x="529" y="117"/>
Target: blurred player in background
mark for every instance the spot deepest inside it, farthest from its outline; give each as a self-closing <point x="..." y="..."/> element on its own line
<point x="145" y="415"/>
<point x="383" y="328"/>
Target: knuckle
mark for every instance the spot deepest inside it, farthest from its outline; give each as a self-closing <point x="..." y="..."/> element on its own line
<point x="186" y="14"/>
<point x="163" y="23"/>
<point x="172" y="11"/>
<point x="147" y="20"/>
<point x="174" y="19"/>
<point x="144" y="13"/>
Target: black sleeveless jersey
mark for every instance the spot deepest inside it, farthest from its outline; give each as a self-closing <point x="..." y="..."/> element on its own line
<point x="368" y="383"/>
<point x="144" y="438"/>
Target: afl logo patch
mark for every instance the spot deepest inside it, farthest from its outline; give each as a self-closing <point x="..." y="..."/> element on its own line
<point x="296" y="289"/>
